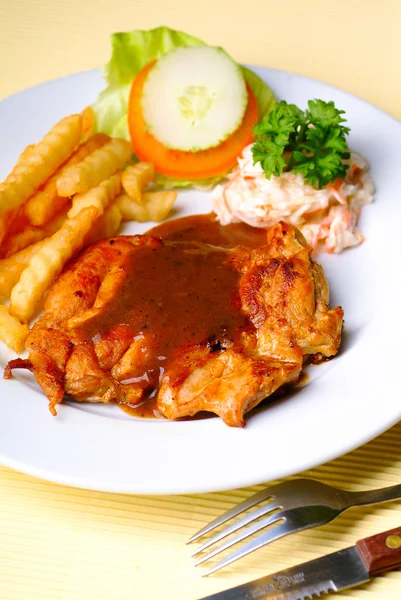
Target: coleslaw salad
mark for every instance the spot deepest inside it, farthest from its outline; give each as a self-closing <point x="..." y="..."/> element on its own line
<point x="327" y="217"/>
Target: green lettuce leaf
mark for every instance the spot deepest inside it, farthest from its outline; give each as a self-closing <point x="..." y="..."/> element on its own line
<point x="204" y="185"/>
<point x="263" y="94"/>
<point x="130" y="52"/>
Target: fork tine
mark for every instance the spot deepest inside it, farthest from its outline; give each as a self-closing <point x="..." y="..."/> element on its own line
<point x="242" y="535"/>
<point x="295" y="519"/>
<point x="255" y="514"/>
<point x="265" y="538"/>
<point x="233" y="512"/>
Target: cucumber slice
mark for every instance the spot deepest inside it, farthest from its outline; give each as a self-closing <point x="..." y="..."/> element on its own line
<point x="194" y="98"/>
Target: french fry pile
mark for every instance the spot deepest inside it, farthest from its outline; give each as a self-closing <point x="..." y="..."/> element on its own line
<point x="67" y="191"/>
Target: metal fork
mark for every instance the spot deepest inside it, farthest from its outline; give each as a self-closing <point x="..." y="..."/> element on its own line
<point x="291" y="506"/>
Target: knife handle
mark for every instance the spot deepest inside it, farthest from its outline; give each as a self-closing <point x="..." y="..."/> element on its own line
<point x="381" y="552"/>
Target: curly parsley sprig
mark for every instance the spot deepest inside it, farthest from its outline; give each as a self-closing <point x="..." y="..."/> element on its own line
<point x="312" y="143"/>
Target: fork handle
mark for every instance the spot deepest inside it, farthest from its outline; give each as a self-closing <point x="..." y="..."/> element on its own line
<point x="373" y="496"/>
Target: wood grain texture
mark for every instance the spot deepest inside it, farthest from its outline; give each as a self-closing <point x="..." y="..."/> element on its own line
<point x="381" y="552"/>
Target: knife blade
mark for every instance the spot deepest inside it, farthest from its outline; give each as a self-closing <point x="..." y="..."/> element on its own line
<point x="332" y="573"/>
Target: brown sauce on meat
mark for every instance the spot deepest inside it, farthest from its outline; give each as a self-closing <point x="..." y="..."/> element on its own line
<point x="175" y="295"/>
<point x="206" y="229"/>
<point x="179" y="293"/>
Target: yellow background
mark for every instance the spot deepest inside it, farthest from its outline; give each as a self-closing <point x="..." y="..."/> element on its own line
<point x="66" y="544"/>
<point x="352" y="44"/>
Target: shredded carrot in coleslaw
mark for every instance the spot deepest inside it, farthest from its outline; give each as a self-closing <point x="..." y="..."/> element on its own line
<point x="327" y="217"/>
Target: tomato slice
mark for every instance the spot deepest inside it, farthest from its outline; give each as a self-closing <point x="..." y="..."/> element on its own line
<point x="180" y="164"/>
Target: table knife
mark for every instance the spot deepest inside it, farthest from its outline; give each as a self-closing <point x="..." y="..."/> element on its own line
<point x="332" y="573"/>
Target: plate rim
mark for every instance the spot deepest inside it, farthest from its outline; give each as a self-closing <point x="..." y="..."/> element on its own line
<point x="178" y="489"/>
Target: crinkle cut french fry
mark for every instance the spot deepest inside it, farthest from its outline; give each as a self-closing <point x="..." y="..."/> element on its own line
<point x="131" y="210"/>
<point x="136" y="177"/>
<point x="88" y="123"/>
<point x="155" y="207"/>
<point x="159" y="204"/>
<point x="12" y="332"/>
<point x="96" y="167"/>
<point x="104" y="227"/>
<point x="47" y="264"/>
<point x="19" y="223"/>
<point x="99" y="197"/>
<point x="46" y="203"/>
<point x="31" y="235"/>
<point x="22" y="157"/>
<point x="37" y="165"/>
<point x="11" y="268"/>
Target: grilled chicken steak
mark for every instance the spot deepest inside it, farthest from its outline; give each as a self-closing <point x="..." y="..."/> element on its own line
<point x="198" y="326"/>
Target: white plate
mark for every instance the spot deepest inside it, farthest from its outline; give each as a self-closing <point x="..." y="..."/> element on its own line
<point x="347" y="401"/>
